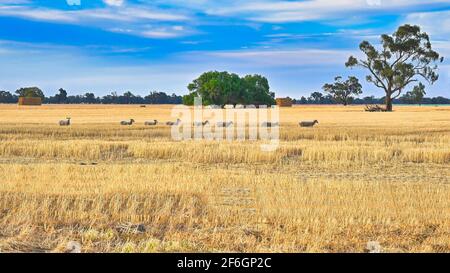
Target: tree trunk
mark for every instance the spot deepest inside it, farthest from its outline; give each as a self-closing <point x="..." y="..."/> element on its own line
<point x="388" y="103"/>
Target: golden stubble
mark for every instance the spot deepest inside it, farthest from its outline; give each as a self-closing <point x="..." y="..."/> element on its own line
<point x="356" y="177"/>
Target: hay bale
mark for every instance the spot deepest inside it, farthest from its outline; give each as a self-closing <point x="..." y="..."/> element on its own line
<point x="284" y="102"/>
<point x="30" y="101"/>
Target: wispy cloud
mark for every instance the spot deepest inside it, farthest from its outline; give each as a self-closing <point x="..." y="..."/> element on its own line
<point x="435" y="23"/>
<point x="114" y="2"/>
<point x="135" y="20"/>
<point x="297" y="11"/>
<point x="288" y="57"/>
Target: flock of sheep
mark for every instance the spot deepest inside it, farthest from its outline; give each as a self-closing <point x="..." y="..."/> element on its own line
<point x="130" y="122"/>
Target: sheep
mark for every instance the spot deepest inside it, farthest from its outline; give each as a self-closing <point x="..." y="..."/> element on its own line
<point x="224" y="124"/>
<point x="270" y="124"/>
<point x="308" y="123"/>
<point x="151" y="123"/>
<point x="171" y="123"/>
<point x="200" y="123"/>
<point x="130" y="122"/>
<point x="64" y="122"/>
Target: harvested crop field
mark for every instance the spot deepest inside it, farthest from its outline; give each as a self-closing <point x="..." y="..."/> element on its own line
<point x="355" y="177"/>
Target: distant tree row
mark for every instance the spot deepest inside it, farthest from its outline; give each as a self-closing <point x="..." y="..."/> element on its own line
<point x="62" y="97"/>
<point x="408" y="98"/>
<point x="416" y="96"/>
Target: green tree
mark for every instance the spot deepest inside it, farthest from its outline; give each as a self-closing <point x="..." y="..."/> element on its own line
<point x="189" y="99"/>
<point x="90" y="98"/>
<point x="416" y="95"/>
<point x="228" y="88"/>
<point x="316" y="97"/>
<point x="128" y="97"/>
<point x="29" y="92"/>
<point x="7" y="97"/>
<point x="343" y="91"/>
<point x="61" y="97"/>
<point x="405" y="56"/>
<point x="257" y="90"/>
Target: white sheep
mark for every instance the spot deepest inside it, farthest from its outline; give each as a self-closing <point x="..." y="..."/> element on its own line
<point x="171" y="123"/>
<point x="224" y="124"/>
<point x="310" y="123"/>
<point x="64" y="122"/>
<point x="130" y="122"/>
<point x="270" y="124"/>
<point x="151" y="123"/>
<point x="200" y="123"/>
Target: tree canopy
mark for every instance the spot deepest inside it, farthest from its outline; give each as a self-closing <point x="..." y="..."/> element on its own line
<point x="343" y="92"/>
<point x="30" y="92"/>
<point x="222" y="88"/>
<point x="416" y="95"/>
<point x="404" y="57"/>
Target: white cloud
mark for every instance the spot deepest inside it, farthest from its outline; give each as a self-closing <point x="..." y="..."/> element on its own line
<point x="434" y="23"/>
<point x="37" y="13"/>
<point x="275" y="58"/>
<point x="114" y="2"/>
<point x="91" y="15"/>
<point x="132" y="20"/>
<point x="159" y="32"/>
<point x="296" y="11"/>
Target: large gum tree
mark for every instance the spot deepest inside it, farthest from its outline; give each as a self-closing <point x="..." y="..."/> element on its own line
<point x="404" y="58"/>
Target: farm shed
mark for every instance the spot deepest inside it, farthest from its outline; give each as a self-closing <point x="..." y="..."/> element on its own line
<point x="284" y="102"/>
<point x="30" y="101"/>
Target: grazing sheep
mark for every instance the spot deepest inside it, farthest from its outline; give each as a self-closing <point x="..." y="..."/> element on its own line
<point x="130" y="122"/>
<point x="64" y="122"/>
<point x="224" y="124"/>
<point x="200" y="123"/>
<point x="308" y="123"/>
<point x="270" y="124"/>
<point x="171" y="123"/>
<point x="151" y="123"/>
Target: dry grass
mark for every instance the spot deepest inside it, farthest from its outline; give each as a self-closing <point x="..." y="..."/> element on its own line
<point x="355" y="178"/>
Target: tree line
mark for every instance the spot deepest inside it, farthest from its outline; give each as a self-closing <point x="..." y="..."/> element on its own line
<point x="319" y="98"/>
<point x="62" y="97"/>
<point x="162" y="98"/>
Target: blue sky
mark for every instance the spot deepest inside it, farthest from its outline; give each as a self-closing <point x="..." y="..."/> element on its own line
<point x="119" y="45"/>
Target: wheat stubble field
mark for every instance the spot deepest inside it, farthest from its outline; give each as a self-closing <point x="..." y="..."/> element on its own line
<point x="356" y="177"/>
